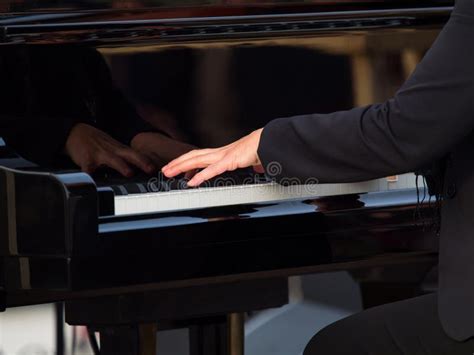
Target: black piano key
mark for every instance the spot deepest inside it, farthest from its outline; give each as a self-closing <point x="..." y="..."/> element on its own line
<point x="136" y="188"/>
<point x="132" y="188"/>
<point x="164" y="186"/>
<point x="119" y="190"/>
<point x="142" y="188"/>
<point x="141" y="183"/>
<point x="178" y="184"/>
<point x="152" y="185"/>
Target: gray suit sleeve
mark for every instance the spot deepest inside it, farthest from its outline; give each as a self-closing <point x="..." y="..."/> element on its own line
<point x="431" y="112"/>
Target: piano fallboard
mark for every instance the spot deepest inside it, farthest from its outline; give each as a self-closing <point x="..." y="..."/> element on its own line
<point x="114" y="25"/>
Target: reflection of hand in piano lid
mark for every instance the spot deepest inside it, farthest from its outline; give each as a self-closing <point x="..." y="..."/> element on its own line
<point x="158" y="147"/>
<point x="90" y="148"/>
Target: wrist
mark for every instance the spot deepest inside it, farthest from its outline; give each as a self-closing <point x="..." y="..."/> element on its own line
<point x="257" y="134"/>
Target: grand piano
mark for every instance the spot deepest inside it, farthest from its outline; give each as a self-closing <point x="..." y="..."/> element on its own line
<point x="129" y="256"/>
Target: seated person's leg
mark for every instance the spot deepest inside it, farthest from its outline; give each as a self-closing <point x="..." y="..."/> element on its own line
<point x="408" y="327"/>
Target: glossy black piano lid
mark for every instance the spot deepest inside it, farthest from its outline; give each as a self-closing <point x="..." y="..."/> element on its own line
<point x="14" y="6"/>
<point x="211" y="93"/>
<point x="209" y="88"/>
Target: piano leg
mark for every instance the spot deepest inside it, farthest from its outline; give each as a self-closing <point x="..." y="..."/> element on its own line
<point x="3" y="300"/>
<point x="208" y="339"/>
<point x="219" y="338"/>
<point x="147" y="334"/>
<point x="128" y="340"/>
<point x="236" y="322"/>
<point x="3" y="294"/>
<point x="59" y="325"/>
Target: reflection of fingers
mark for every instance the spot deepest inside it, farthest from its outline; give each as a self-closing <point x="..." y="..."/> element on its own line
<point x="156" y="160"/>
<point x="187" y="156"/>
<point x="117" y="163"/>
<point x="200" y="161"/>
<point x="89" y="167"/>
<point x="208" y="173"/>
<point x="137" y="159"/>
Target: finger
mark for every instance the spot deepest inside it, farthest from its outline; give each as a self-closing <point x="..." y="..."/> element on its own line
<point x="117" y="163"/>
<point x="139" y="160"/>
<point x="197" y="152"/>
<point x="208" y="173"/>
<point x="259" y="169"/>
<point x="189" y="155"/>
<point x="197" y="162"/>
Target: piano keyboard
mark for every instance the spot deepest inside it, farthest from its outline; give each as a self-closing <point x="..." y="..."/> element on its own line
<point x="165" y="201"/>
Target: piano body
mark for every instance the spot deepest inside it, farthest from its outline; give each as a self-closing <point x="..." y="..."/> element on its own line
<point x="126" y="255"/>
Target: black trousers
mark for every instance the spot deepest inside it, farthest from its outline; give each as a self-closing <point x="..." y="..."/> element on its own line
<point x="409" y="327"/>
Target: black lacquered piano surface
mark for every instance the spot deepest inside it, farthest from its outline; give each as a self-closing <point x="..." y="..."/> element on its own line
<point x="206" y="74"/>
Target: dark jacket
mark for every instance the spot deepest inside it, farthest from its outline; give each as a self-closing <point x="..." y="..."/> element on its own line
<point x="431" y="116"/>
<point x="46" y="90"/>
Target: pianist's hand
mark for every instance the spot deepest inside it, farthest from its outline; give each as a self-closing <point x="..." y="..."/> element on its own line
<point x="91" y="148"/>
<point x="240" y="154"/>
<point x="159" y="148"/>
